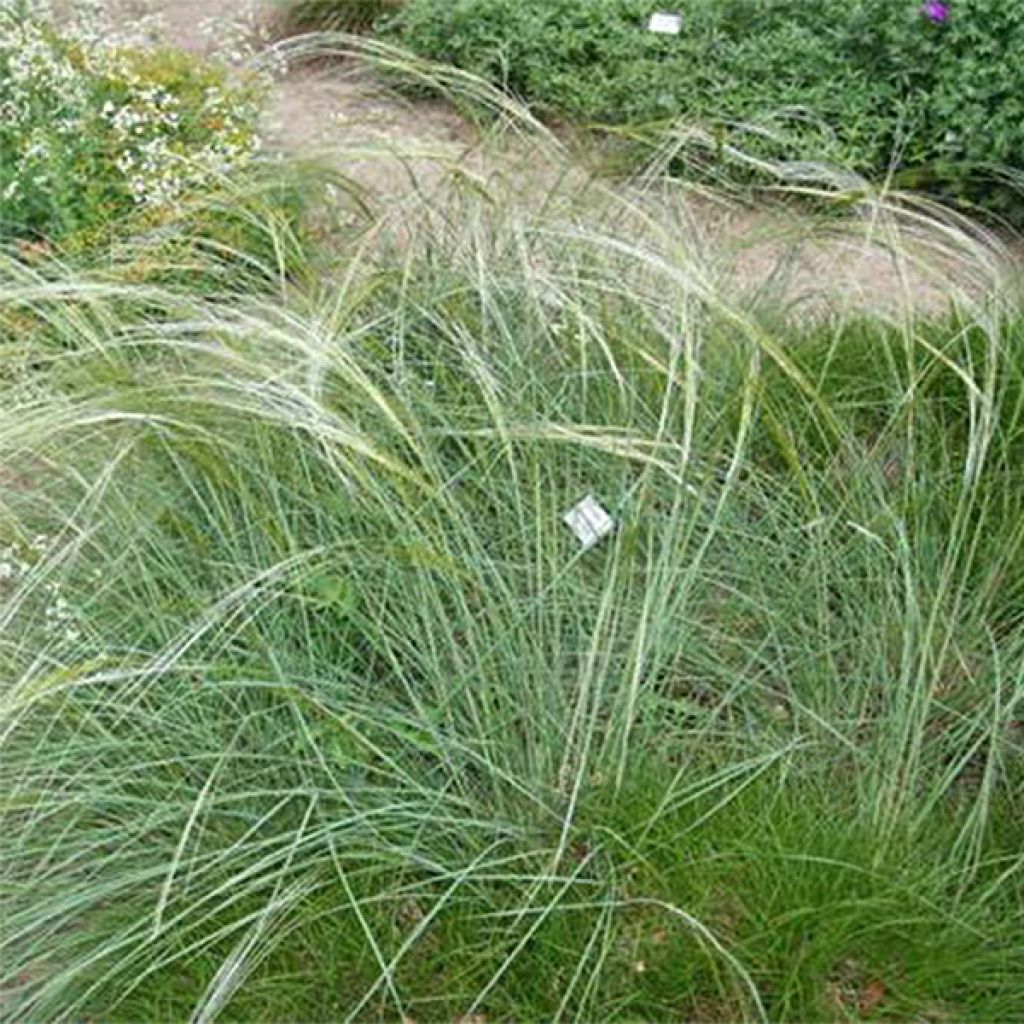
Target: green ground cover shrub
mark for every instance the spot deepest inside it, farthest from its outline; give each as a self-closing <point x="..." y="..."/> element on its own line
<point x="92" y="135"/>
<point x="933" y="93"/>
<point x="313" y="709"/>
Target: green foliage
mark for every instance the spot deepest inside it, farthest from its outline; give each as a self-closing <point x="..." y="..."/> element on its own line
<point x="92" y="134"/>
<point x="313" y="709"/>
<point x="870" y="85"/>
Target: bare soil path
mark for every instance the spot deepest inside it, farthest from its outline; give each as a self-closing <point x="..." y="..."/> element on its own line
<point x="390" y="144"/>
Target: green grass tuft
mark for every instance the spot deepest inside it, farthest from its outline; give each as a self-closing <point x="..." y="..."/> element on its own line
<point x="314" y="709"/>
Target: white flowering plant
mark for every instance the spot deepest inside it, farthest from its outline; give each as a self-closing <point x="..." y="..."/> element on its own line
<point x="23" y="565"/>
<point x="91" y="132"/>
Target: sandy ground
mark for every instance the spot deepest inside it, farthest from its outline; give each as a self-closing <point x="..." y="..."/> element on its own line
<point x="389" y="145"/>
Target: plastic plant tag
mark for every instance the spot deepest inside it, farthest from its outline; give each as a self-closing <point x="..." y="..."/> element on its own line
<point x="589" y="521"/>
<point x="665" y="24"/>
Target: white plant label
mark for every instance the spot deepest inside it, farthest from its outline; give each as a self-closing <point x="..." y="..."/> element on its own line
<point x="589" y="521"/>
<point x="665" y="24"/>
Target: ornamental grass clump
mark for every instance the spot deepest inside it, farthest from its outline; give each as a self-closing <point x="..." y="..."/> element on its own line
<point x="336" y="719"/>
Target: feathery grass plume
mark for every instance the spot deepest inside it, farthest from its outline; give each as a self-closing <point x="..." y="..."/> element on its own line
<point x="336" y="719"/>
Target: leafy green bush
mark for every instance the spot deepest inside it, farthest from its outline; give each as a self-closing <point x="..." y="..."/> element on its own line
<point x="90" y="133"/>
<point x="872" y="85"/>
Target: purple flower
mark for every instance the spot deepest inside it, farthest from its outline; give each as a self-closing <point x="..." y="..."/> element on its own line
<point x="935" y="11"/>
